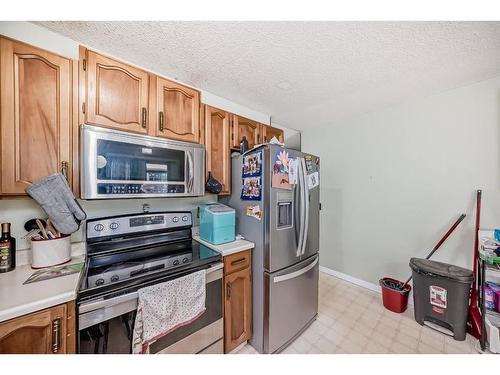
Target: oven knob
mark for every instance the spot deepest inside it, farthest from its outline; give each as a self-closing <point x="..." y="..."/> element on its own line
<point x="98" y="227"/>
<point x="175" y="219"/>
<point x="115" y="278"/>
<point x="184" y="218"/>
<point x="113" y="225"/>
<point x="185" y="260"/>
<point x="176" y="262"/>
<point x="99" y="282"/>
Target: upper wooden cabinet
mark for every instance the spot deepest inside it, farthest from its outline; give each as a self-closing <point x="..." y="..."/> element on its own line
<point x="116" y="94"/>
<point x="178" y="111"/>
<point x="243" y="127"/>
<point x="36" y="115"/>
<point x="268" y="132"/>
<point x="50" y="331"/>
<point x="217" y="133"/>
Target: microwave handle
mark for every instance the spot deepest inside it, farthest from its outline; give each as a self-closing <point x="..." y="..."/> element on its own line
<point x="190" y="171"/>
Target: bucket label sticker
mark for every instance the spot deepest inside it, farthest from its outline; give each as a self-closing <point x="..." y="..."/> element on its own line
<point x="438" y="296"/>
<point x="438" y="310"/>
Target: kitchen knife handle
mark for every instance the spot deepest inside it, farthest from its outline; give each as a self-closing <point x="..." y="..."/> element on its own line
<point x="144" y="117"/>
<point x="161" y="120"/>
<point x="56" y="335"/>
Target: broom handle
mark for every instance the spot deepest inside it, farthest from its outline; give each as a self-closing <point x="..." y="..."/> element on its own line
<point x="441" y="241"/>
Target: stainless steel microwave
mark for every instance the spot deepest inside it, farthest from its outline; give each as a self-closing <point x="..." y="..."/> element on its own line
<point x="117" y="164"/>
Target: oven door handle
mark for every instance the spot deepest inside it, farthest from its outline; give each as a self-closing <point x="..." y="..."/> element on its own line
<point x="106" y="303"/>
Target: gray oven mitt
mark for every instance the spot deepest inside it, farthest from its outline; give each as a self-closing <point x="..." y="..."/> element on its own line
<point x="55" y="197"/>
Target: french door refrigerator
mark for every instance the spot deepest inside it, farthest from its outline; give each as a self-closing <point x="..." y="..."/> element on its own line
<point x="286" y="236"/>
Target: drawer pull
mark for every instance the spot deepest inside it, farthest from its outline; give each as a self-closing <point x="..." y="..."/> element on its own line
<point x="237" y="261"/>
<point x="64" y="169"/>
<point x="144" y="117"/>
<point x="56" y="335"/>
<point x="228" y="291"/>
<point x="161" y="121"/>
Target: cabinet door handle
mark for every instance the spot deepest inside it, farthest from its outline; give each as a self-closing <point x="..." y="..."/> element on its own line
<point x="56" y="335"/>
<point x="64" y="169"/>
<point x="228" y="291"/>
<point x="161" y="121"/>
<point x="144" y="117"/>
<point x="237" y="261"/>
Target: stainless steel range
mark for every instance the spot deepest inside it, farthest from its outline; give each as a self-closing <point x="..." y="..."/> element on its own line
<point x="126" y="253"/>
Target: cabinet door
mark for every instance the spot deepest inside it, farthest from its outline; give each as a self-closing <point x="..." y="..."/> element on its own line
<point x="217" y="146"/>
<point x="43" y="332"/>
<point x="268" y="132"/>
<point x="237" y="309"/>
<point x="178" y="111"/>
<point x="36" y="110"/>
<point x="116" y="94"/>
<point x="243" y="127"/>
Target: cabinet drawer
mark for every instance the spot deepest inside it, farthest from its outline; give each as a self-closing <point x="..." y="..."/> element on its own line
<point x="236" y="262"/>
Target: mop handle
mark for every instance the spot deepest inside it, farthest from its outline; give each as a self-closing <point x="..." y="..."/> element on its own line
<point x="441" y="241"/>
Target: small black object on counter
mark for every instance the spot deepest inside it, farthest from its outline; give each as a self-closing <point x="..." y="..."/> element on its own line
<point x="7" y="250"/>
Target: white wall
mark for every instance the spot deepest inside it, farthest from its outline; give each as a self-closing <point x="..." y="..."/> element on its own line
<point x="394" y="180"/>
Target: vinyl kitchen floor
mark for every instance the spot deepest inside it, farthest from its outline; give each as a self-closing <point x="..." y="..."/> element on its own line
<point x="352" y="319"/>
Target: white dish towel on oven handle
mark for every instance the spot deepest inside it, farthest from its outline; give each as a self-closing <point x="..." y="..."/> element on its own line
<point x="165" y="307"/>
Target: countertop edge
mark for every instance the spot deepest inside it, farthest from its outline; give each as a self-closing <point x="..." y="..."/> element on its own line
<point x="241" y="246"/>
<point x="28" y="308"/>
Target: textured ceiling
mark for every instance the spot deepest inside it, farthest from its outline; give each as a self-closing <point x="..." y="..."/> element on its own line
<point x="304" y="73"/>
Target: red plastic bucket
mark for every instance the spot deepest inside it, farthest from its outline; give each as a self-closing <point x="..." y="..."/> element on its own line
<point x="394" y="299"/>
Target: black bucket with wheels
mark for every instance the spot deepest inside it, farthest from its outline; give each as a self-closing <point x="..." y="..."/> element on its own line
<point x="441" y="296"/>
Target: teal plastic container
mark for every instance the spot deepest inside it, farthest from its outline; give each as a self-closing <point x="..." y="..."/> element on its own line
<point x="217" y="223"/>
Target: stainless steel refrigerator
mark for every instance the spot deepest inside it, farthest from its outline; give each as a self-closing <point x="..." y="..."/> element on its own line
<point x="286" y="254"/>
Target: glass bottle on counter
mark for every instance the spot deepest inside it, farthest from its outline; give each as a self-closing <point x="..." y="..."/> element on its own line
<point x="7" y="249"/>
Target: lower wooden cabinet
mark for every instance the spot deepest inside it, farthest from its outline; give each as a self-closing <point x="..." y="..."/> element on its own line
<point x="237" y="300"/>
<point x="49" y="331"/>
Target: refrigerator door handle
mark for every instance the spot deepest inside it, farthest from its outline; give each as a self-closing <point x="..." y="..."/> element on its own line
<point x="302" y="209"/>
<point x="306" y="207"/>
<point x="293" y="275"/>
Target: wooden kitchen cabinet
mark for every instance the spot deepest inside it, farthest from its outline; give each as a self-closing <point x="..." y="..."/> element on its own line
<point x="237" y="300"/>
<point x="178" y="111"/>
<point x="241" y="127"/>
<point x="36" y="115"/>
<point x="116" y="94"/>
<point x="49" y="331"/>
<point x="218" y="156"/>
<point x="268" y="132"/>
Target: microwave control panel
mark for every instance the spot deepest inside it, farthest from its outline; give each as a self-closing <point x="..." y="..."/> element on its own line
<point x="121" y="189"/>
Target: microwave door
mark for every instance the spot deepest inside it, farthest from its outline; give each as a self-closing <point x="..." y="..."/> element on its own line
<point x="115" y="165"/>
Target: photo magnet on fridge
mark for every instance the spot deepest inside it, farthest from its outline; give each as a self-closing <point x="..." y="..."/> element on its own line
<point x="251" y="189"/>
<point x="280" y="179"/>
<point x="252" y="164"/>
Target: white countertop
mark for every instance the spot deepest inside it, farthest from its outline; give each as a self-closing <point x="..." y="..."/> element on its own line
<point x="226" y="248"/>
<point x="17" y="299"/>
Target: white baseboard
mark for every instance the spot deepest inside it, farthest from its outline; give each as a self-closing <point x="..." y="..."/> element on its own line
<point x="358" y="282"/>
<point x="351" y="279"/>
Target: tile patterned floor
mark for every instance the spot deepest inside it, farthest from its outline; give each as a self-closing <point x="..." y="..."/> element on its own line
<point x="352" y="319"/>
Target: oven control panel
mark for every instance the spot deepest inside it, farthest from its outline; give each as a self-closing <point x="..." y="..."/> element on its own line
<point x="122" y="189"/>
<point x="121" y="225"/>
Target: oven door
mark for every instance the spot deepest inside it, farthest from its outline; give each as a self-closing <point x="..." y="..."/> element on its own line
<point x="106" y="326"/>
<point x="117" y="164"/>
